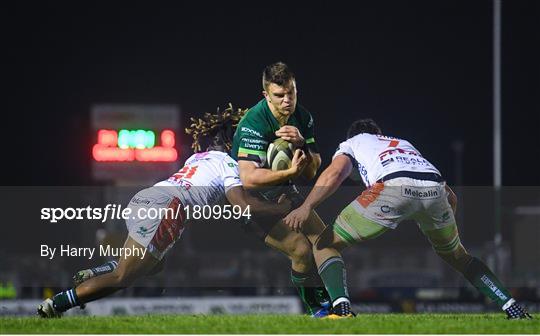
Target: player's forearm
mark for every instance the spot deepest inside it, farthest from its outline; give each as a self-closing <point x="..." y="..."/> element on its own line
<point x="263" y="208"/>
<point x="262" y="177"/>
<point x="326" y="185"/>
<point x="238" y="196"/>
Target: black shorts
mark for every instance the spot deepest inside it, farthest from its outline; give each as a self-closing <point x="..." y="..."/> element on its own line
<point x="261" y="226"/>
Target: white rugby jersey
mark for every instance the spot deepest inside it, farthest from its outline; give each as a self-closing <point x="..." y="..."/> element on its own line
<point x="379" y="155"/>
<point x="204" y="179"/>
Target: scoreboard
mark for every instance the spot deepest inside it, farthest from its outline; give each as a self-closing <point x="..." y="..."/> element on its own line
<point x="134" y="143"/>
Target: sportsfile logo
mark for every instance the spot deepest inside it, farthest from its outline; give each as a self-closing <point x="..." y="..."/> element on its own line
<point x="143" y="212"/>
<point x="112" y="211"/>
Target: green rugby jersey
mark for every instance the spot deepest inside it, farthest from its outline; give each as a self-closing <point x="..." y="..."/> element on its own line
<point x="257" y="128"/>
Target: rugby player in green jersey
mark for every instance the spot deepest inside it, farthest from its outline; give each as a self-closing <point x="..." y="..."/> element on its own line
<point x="278" y="115"/>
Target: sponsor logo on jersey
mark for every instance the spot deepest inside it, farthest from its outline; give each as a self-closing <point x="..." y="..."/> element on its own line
<point x="310" y="123"/>
<point x="386" y="209"/>
<point x="142" y="200"/>
<point x="420" y="192"/>
<point x="253" y="146"/>
<point x="387" y="162"/>
<point x="393" y="151"/>
<point x="143" y="232"/>
<point x="250" y="131"/>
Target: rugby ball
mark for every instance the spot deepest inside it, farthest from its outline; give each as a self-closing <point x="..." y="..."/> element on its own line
<point x="279" y="155"/>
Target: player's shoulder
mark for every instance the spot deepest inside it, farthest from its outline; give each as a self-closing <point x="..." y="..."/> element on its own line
<point x="216" y="156"/>
<point x="224" y="158"/>
<point x="303" y="115"/>
<point x="362" y="137"/>
<point x="371" y="137"/>
<point x="213" y="158"/>
<point x="254" y="123"/>
<point x="301" y="109"/>
<point x="254" y="114"/>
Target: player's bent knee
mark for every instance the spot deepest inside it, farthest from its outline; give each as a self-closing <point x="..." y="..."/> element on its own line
<point x="329" y="239"/>
<point x="301" y="253"/>
<point x="445" y="241"/>
<point x="298" y="249"/>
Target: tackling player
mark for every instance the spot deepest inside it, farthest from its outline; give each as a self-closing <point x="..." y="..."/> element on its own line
<point x="401" y="184"/>
<point x="278" y="115"/>
<point x="205" y="178"/>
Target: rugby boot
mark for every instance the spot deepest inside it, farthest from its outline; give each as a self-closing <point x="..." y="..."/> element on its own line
<point x="46" y="310"/>
<point x="341" y="310"/>
<point x="516" y="312"/>
<point x="322" y="312"/>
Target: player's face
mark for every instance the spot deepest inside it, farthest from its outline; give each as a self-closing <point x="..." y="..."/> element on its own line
<point x="281" y="99"/>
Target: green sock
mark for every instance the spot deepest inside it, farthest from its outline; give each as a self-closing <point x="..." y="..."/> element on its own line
<point x="65" y="300"/>
<point x="309" y="295"/>
<point x="486" y="282"/>
<point x="315" y="287"/>
<point x="334" y="276"/>
<point x="322" y="294"/>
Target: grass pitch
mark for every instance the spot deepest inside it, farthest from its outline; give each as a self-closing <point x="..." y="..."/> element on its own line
<point x="274" y="324"/>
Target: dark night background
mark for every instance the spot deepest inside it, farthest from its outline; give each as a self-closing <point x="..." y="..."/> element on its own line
<point x="423" y="69"/>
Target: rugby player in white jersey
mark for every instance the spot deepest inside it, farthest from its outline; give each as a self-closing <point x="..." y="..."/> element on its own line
<point x="206" y="178"/>
<point x="401" y="185"/>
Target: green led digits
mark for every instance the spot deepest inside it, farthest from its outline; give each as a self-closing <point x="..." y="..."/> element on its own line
<point x="139" y="139"/>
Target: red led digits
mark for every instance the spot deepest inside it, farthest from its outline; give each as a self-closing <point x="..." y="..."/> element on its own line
<point x="134" y="145"/>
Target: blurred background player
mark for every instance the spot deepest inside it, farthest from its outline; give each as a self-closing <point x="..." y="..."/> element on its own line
<point x="278" y="115"/>
<point x="401" y="185"/>
<point x="206" y="178"/>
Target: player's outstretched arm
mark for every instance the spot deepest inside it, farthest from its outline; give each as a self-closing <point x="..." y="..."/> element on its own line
<point x="238" y="196"/>
<point x="330" y="179"/>
<point x="255" y="177"/>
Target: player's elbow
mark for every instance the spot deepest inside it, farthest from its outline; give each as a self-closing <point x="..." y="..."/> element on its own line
<point x="246" y="176"/>
<point x="248" y="181"/>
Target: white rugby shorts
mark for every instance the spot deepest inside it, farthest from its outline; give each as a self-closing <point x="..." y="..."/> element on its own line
<point x="151" y="225"/>
<point x="393" y="201"/>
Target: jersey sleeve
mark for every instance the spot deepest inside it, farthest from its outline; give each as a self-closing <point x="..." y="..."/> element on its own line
<point x="231" y="176"/>
<point x="252" y="145"/>
<point x="309" y="131"/>
<point x="345" y="148"/>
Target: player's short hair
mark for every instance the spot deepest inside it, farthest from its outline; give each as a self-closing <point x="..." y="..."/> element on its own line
<point x="215" y="130"/>
<point x="277" y="73"/>
<point x="363" y="126"/>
